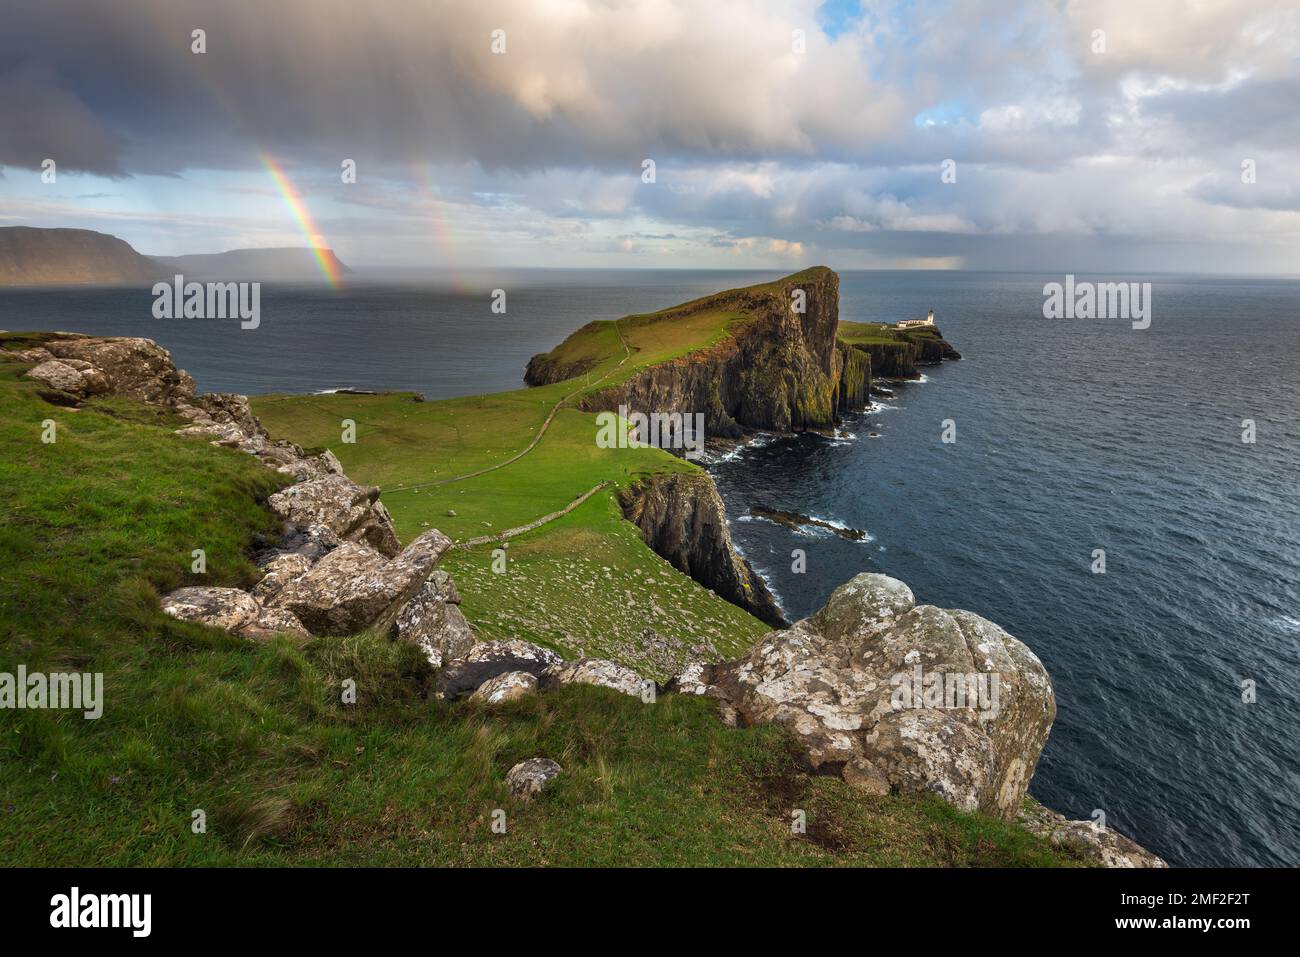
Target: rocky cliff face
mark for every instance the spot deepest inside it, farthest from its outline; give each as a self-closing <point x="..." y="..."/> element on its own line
<point x="899" y="360"/>
<point x="781" y="370"/>
<point x="682" y="518"/>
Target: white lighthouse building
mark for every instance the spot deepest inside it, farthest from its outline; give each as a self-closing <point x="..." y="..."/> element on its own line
<point x="915" y="323"/>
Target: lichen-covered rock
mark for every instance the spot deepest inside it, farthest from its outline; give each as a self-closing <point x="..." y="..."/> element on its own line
<point x="271" y="622"/>
<point x="354" y="587"/>
<point x="433" y="622"/>
<point x="1095" y="844"/>
<point x="279" y="572"/>
<point x="75" y="378"/>
<point x="692" y="680"/>
<point x="898" y="697"/>
<point x="595" y="671"/>
<point x="350" y="511"/>
<point x="225" y="608"/>
<point x="487" y="659"/>
<point x="505" y="687"/>
<point x="231" y="610"/>
<point x="133" y="368"/>
<point x="527" y="778"/>
<point x="312" y="542"/>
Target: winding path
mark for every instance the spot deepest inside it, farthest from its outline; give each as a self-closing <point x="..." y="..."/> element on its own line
<point x="627" y="354"/>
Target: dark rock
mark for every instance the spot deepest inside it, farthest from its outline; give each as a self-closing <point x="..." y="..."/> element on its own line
<point x="682" y="518"/>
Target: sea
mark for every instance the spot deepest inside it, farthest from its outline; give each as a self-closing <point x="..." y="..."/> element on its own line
<point x="1174" y="450"/>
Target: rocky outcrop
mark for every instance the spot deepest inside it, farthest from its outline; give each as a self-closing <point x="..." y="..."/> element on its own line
<point x="355" y="587"/>
<point x="231" y="610"/>
<point x="894" y="697"/>
<point x="1102" y="846"/>
<point x="352" y="512"/>
<point x="487" y="659"/>
<point x="898" y="697"/>
<point x="433" y="621"/>
<point x="682" y="518"/>
<point x="336" y="569"/>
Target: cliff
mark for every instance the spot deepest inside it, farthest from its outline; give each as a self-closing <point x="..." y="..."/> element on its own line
<point x="896" y="353"/>
<point x="31" y="256"/>
<point x="682" y="518"/>
<point x="777" y="368"/>
<point x="35" y="256"/>
<point x="773" y="356"/>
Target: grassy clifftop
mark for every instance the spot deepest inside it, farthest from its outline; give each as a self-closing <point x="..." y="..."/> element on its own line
<point x="254" y="735"/>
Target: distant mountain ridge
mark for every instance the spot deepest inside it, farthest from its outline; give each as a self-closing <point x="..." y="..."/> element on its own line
<point x="283" y="262"/>
<point x="32" y="255"/>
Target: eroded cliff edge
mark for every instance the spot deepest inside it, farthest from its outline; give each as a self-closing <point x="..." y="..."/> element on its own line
<point x="682" y="519"/>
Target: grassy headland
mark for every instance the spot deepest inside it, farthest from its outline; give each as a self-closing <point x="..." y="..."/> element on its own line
<point x="254" y="735"/>
<point x="100" y="522"/>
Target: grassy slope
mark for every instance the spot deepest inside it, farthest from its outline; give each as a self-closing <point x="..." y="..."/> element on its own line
<point x="97" y="524"/>
<point x="583" y="585"/>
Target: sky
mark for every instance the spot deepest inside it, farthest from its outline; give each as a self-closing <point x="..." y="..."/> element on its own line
<point x="1066" y="136"/>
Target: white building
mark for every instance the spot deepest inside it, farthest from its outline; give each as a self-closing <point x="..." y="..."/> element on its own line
<point x="914" y="323"/>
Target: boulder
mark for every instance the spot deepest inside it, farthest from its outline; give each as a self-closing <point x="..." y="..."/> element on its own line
<point x="354" y="587"/>
<point x="527" y="778"/>
<point x="431" y="621"/>
<point x="231" y="610"/>
<point x="487" y="659"/>
<point x="77" y="379"/>
<point x="507" y="687"/>
<point x="595" y="671"/>
<point x="350" y="511"/>
<point x="279" y="572"/>
<point x="1103" y="846"/>
<point x="271" y="622"/>
<point x="898" y="697"/>
<point x="226" y="608"/>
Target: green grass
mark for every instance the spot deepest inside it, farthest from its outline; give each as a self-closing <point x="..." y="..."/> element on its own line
<point x="99" y="523"/>
<point x="585" y="584"/>
<point x="96" y="525"/>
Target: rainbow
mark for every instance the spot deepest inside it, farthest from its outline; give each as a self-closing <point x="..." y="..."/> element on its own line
<point x="442" y="230"/>
<point x="328" y="264"/>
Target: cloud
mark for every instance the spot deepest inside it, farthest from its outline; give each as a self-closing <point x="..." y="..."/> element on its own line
<point x="763" y="148"/>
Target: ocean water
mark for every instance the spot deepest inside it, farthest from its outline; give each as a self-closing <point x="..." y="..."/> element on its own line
<point x="1072" y="435"/>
